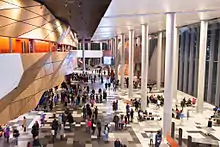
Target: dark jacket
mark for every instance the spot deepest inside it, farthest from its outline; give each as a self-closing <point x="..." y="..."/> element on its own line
<point x="55" y="125"/>
<point x="16" y="133"/>
<point x="117" y="143"/>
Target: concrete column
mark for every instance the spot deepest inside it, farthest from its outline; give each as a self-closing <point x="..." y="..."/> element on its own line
<point x="217" y="95"/>
<point x="101" y="51"/>
<point x="169" y="67"/>
<point x="116" y="58"/>
<point x="122" y="81"/>
<point x="10" y="45"/>
<point x="131" y="63"/>
<point x="89" y="48"/>
<point x="112" y="48"/>
<point x="144" y="65"/>
<point x="191" y="54"/>
<point x="176" y="58"/>
<point x="211" y="59"/>
<point x="186" y="56"/>
<point x="83" y="55"/>
<point x="201" y="66"/>
<point x="159" y="57"/>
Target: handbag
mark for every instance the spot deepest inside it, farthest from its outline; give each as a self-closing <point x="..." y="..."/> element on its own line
<point x="53" y="132"/>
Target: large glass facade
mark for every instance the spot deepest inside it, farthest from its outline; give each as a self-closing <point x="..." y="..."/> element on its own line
<point x="188" y="62"/>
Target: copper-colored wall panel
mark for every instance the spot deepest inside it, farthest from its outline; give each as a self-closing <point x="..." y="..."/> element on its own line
<point x="18" y="14"/>
<point x="5" y="21"/>
<point x="15" y="29"/>
<point x="32" y="85"/>
<point x="38" y="21"/>
<point x="41" y="10"/>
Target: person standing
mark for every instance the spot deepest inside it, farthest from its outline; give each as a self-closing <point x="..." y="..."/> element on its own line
<point x="61" y="132"/>
<point x="16" y="135"/>
<point x="117" y="143"/>
<point x="7" y="133"/>
<point x="99" y="128"/>
<point x="209" y="127"/>
<point x="96" y="113"/>
<point x="93" y="126"/>
<point x="116" y="121"/>
<point x="132" y="114"/>
<point x="106" y="131"/>
<point x="151" y="138"/>
<point x="71" y="121"/>
<point x="54" y="129"/>
<point x="24" y="123"/>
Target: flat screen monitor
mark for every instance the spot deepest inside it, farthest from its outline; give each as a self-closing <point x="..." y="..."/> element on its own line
<point x="108" y="60"/>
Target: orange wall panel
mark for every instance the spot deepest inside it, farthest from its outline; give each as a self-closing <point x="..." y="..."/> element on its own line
<point x="42" y="46"/>
<point x="4" y="45"/>
<point x="17" y="45"/>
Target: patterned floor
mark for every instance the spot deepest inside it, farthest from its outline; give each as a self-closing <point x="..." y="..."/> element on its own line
<point x="78" y="137"/>
<point x="136" y="134"/>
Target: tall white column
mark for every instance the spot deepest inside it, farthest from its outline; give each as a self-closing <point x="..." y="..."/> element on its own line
<point x="159" y="54"/>
<point x="10" y="45"/>
<point x="169" y="67"/>
<point x="83" y="54"/>
<point x="201" y="66"/>
<point x="217" y="95"/>
<point x="176" y="58"/>
<point x="102" y="53"/>
<point x="89" y="48"/>
<point x="112" y="48"/>
<point x="144" y="65"/>
<point x="122" y="81"/>
<point x="116" y="58"/>
<point x="131" y="63"/>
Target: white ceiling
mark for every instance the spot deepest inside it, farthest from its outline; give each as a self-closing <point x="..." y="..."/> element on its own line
<point x="123" y="15"/>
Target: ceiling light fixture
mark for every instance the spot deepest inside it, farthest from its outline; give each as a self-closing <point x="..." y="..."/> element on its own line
<point x="78" y="2"/>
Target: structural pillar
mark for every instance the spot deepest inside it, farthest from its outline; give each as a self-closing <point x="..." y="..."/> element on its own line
<point x="169" y="68"/>
<point x="122" y="81"/>
<point x="131" y="63"/>
<point x="159" y="54"/>
<point x="217" y="95"/>
<point x="83" y="55"/>
<point x="144" y="66"/>
<point x="10" y="45"/>
<point x="89" y="48"/>
<point x="102" y="53"/>
<point x="116" y="58"/>
<point x="201" y="66"/>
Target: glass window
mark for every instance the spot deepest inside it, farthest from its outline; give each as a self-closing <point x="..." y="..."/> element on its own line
<point x="206" y="80"/>
<point x="214" y="77"/>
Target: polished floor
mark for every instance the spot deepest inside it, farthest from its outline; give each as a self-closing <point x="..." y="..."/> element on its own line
<point x="136" y="134"/>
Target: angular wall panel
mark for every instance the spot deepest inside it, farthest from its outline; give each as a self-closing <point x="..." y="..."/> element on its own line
<point x="15" y="29"/>
<point x="36" y="34"/>
<point x="5" y="21"/>
<point x="40" y="9"/>
<point x="18" y="14"/>
<point x="34" y="82"/>
<point x="38" y="21"/>
<point x="22" y="3"/>
<point x="5" y="5"/>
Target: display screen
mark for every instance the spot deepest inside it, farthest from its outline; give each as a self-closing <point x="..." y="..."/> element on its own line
<point x="107" y="60"/>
